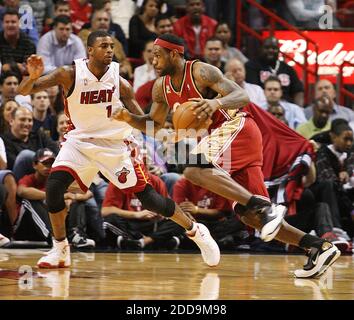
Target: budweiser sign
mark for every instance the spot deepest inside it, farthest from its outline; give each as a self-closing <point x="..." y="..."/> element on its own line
<point x="334" y="48"/>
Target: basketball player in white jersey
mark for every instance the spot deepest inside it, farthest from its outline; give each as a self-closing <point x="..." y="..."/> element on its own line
<point x="94" y="90"/>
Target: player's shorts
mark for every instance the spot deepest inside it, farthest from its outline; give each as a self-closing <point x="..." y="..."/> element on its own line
<point x="236" y="149"/>
<point x="118" y="161"/>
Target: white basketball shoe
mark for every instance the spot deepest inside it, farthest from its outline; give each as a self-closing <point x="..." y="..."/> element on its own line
<point x="57" y="257"/>
<point x="207" y="245"/>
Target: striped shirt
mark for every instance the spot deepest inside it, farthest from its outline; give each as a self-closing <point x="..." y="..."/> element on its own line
<point x="24" y="48"/>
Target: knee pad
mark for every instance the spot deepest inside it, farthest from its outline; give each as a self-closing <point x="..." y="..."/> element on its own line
<point x="57" y="184"/>
<point x="154" y="202"/>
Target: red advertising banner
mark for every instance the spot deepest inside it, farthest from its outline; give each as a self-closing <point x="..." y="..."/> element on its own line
<point x="334" y="47"/>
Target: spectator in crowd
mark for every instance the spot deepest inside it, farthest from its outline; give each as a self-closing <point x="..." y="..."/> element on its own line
<point x="21" y="143"/>
<point x="222" y="10"/>
<point x="195" y="28"/>
<point x="56" y="103"/>
<point x="8" y="189"/>
<point x="326" y="88"/>
<point x="61" y="8"/>
<point x="268" y="63"/>
<point x="210" y="209"/>
<point x="145" y="72"/>
<point x="3" y="239"/>
<point x="15" y="45"/>
<point x="235" y="70"/>
<point x="294" y="115"/>
<point x="33" y="223"/>
<point x="115" y="30"/>
<point x="29" y="27"/>
<point x="80" y="13"/>
<point x="5" y="114"/>
<point x="163" y="24"/>
<point x="320" y="122"/>
<point x="101" y="21"/>
<point x="62" y="126"/>
<point x="335" y="164"/>
<point x="212" y="53"/>
<point x="223" y="33"/>
<point x="142" y="27"/>
<point x="9" y="82"/>
<point x="43" y="12"/>
<point x="307" y="13"/>
<point x="128" y="226"/>
<point x="60" y="46"/>
<point x="42" y="119"/>
<point x="278" y="111"/>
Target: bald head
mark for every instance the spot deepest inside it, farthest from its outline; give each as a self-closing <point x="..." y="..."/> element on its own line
<point x="325" y="88"/>
<point x="235" y="70"/>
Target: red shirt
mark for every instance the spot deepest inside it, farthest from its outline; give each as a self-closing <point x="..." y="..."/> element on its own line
<point x="144" y="94"/>
<point x="184" y="29"/>
<point x="79" y="14"/>
<point x="189" y="90"/>
<point x="30" y="181"/>
<point x="116" y="198"/>
<point x="184" y="190"/>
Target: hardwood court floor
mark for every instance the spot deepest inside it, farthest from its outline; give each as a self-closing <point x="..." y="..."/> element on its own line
<point x="155" y="276"/>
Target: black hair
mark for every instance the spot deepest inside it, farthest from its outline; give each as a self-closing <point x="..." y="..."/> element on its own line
<point x="8" y="74"/>
<point x="94" y="35"/>
<point x="61" y="19"/>
<point x="213" y="38"/>
<point x="162" y="17"/>
<point x="169" y="37"/>
<point x="222" y="22"/>
<point x="142" y="8"/>
<point x="59" y="3"/>
<point x="11" y="12"/>
<point x="271" y="79"/>
<point x="339" y="125"/>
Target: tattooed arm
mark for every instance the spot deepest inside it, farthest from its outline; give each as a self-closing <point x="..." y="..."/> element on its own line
<point x="63" y="76"/>
<point x="157" y="115"/>
<point x="232" y="95"/>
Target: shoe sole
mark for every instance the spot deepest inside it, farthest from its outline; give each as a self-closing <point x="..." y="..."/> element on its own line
<point x="271" y="229"/>
<point x="46" y="265"/>
<point x="334" y="254"/>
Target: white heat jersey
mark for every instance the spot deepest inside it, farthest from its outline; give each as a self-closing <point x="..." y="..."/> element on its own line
<point x="93" y="101"/>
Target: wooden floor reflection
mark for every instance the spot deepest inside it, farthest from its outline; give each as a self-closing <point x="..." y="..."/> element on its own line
<point x="169" y="276"/>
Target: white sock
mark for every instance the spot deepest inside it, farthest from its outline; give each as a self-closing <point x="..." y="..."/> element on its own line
<point x="193" y="230"/>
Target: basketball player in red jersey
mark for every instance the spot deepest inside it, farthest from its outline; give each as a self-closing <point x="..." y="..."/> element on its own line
<point x="181" y="81"/>
<point x="94" y="90"/>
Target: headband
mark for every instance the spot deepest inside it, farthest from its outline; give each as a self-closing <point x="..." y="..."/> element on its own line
<point x="169" y="45"/>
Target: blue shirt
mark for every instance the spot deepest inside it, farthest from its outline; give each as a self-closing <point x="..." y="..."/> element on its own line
<point x="55" y="55"/>
<point x="294" y="114"/>
<point x="339" y="112"/>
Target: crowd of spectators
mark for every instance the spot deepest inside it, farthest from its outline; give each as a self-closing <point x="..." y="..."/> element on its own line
<point x="32" y="128"/>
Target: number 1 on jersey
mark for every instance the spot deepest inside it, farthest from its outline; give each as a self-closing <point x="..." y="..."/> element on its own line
<point x="109" y="111"/>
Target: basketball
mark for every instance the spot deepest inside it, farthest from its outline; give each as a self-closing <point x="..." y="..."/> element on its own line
<point x="183" y="117"/>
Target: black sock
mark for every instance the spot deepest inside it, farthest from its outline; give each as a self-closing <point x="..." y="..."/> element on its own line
<point x="309" y="241"/>
<point x="256" y="203"/>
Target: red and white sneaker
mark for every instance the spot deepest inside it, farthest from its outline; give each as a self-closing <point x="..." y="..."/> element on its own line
<point x="57" y="257"/>
<point x="207" y="245"/>
<point x="3" y="240"/>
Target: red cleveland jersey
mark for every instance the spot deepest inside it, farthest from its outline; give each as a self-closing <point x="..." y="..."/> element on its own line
<point x="189" y="90"/>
